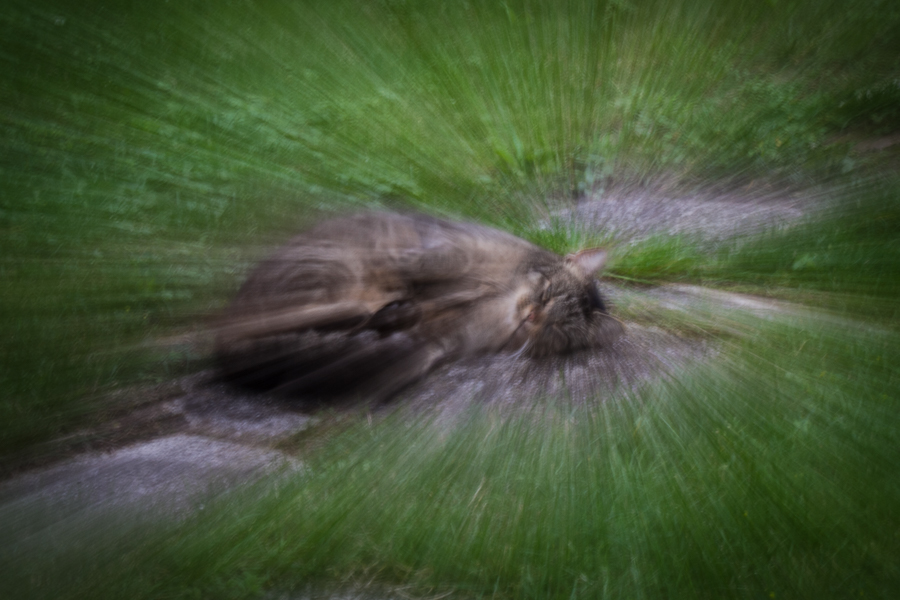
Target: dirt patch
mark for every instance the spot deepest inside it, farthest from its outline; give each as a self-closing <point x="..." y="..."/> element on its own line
<point x="630" y="214"/>
<point x="642" y="356"/>
<point x="169" y="471"/>
<point x="97" y="494"/>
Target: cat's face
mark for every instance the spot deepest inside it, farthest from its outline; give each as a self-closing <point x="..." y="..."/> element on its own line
<point x="562" y="309"/>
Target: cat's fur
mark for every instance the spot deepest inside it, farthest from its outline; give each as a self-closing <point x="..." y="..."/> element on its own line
<point x="373" y="301"/>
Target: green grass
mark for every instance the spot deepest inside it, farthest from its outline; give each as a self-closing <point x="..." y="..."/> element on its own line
<point x="850" y="248"/>
<point x="152" y="151"/>
<point x="853" y="249"/>
<point x="768" y="472"/>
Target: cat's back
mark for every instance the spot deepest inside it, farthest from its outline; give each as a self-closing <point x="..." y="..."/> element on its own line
<point x="379" y="252"/>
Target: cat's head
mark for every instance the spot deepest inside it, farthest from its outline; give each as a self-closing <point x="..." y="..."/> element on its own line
<point x="563" y="310"/>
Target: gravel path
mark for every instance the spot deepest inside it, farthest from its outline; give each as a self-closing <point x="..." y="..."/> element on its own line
<point x="630" y="214"/>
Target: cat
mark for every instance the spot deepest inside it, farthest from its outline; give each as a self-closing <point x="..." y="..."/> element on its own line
<point x="371" y="302"/>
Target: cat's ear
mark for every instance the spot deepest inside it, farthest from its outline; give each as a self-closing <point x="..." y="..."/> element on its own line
<point x="586" y="262"/>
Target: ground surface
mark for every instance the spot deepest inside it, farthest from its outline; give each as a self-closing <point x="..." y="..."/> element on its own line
<point x="195" y="437"/>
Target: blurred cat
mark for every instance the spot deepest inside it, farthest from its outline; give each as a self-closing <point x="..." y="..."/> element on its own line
<point x="371" y="302"/>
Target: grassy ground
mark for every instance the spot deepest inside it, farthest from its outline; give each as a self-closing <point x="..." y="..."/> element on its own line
<point x="151" y="151"/>
<point x="768" y="473"/>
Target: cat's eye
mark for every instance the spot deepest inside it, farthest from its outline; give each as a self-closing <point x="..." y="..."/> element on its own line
<point x="546" y="294"/>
